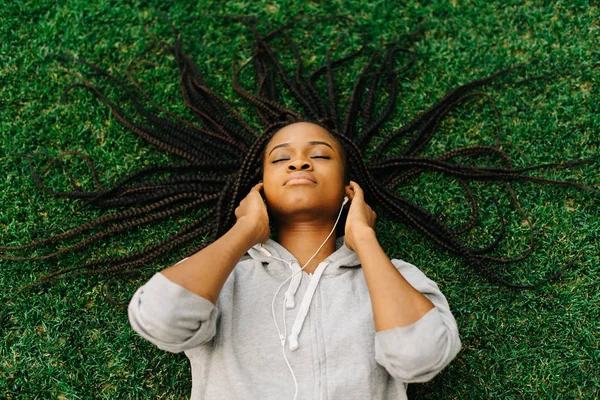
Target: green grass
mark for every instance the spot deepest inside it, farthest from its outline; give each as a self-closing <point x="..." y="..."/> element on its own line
<point x="65" y="342"/>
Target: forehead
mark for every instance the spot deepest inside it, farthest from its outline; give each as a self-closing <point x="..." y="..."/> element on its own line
<point x="300" y="133"/>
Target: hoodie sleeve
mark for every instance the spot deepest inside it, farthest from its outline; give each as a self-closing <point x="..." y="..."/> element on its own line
<point x="170" y="316"/>
<point x="418" y="352"/>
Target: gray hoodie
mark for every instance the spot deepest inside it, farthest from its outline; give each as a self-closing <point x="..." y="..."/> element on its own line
<point x="235" y="350"/>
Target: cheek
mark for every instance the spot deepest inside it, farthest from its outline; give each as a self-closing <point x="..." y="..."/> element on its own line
<point x="269" y="191"/>
<point x="270" y="180"/>
<point x="341" y="175"/>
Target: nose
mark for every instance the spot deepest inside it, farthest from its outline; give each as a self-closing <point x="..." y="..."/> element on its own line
<point x="299" y="164"/>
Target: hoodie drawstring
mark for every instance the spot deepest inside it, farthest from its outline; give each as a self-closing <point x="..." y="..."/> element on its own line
<point x="290" y="294"/>
<point x="305" y="305"/>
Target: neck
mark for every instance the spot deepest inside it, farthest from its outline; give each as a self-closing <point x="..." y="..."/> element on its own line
<point x="303" y="239"/>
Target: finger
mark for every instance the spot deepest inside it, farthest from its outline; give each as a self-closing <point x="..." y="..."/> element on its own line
<point x="349" y="192"/>
<point x="357" y="190"/>
<point x="258" y="188"/>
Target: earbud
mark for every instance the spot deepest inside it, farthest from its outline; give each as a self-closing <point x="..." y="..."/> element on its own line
<point x="346" y="199"/>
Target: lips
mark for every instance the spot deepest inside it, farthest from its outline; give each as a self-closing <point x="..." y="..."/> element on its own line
<point x="299" y="176"/>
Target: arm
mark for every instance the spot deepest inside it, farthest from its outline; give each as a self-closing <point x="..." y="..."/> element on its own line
<point x="416" y="334"/>
<point x="205" y="272"/>
<point x="176" y="309"/>
<point x="395" y="302"/>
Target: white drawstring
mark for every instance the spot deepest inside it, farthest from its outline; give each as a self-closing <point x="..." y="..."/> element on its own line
<point x="290" y="300"/>
<point x="305" y="305"/>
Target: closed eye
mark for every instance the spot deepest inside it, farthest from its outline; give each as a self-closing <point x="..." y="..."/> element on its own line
<point x="286" y="159"/>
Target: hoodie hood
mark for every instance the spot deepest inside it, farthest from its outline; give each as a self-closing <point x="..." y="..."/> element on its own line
<point x="340" y="259"/>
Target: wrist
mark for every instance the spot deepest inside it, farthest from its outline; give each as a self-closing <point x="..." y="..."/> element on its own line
<point x="251" y="231"/>
<point x="366" y="245"/>
<point x="364" y="232"/>
<point x="363" y="237"/>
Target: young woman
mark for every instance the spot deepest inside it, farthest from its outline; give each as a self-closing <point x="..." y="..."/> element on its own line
<point x="363" y="326"/>
<point x="360" y="325"/>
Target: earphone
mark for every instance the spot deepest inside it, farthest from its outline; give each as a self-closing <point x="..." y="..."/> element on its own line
<point x="289" y="299"/>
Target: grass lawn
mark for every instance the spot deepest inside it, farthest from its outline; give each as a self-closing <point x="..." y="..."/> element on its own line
<point x="64" y="341"/>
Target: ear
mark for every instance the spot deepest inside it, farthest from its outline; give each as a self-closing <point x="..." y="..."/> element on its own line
<point x="347" y="203"/>
<point x="262" y="192"/>
<point x="348" y="189"/>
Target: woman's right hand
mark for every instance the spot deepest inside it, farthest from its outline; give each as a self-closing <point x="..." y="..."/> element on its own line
<point x="205" y="272"/>
<point x="252" y="212"/>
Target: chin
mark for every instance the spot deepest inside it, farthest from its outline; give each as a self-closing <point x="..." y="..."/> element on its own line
<point x="310" y="205"/>
<point x="298" y="203"/>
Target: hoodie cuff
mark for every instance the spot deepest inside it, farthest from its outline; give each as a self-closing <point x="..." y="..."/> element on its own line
<point x="170" y="316"/>
<point x="418" y="352"/>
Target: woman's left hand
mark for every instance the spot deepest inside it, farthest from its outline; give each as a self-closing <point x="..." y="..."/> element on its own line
<point x="361" y="218"/>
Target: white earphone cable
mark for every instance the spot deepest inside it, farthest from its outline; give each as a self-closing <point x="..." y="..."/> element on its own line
<point x="282" y="338"/>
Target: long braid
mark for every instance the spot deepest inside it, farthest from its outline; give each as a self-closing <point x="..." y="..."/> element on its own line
<point x="240" y="146"/>
<point x="187" y="136"/>
<point x="426" y="118"/>
<point x="126" y="214"/>
<point x="116" y="228"/>
<point x="119" y="261"/>
<point x="351" y="114"/>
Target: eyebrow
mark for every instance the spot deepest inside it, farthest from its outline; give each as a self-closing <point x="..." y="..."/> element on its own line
<point x="311" y="143"/>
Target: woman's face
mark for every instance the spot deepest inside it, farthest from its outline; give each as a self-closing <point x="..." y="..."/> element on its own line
<point x="303" y="173"/>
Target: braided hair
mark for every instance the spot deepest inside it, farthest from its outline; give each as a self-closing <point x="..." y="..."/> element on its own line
<point x="221" y="154"/>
